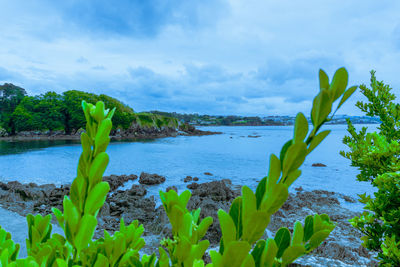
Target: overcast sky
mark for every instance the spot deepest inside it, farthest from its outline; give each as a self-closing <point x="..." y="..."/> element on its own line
<point x="210" y="57"/>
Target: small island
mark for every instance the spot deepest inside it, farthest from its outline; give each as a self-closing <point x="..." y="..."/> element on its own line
<point x="59" y="116"/>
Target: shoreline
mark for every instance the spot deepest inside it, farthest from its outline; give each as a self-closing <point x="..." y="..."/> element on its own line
<point x="118" y="137"/>
<point x="343" y="246"/>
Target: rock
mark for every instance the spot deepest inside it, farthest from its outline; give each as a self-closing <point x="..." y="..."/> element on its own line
<point x="151" y="179"/>
<point x="116" y="181"/>
<point x="254" y="136"/>
<point x="172" y="188"/>
<point x="195" y="179"/>
<point x="3" y="132"/>
<point x="187" y="179"/>
<point x="208" y="173"/>
<point x="318" y="165"/>
<point x="137" y="190"/>
<point x="216" y="190"/>
<point x="193" y="186"/>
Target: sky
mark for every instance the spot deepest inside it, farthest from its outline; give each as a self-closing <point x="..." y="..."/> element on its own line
<point x="208" y="57"/>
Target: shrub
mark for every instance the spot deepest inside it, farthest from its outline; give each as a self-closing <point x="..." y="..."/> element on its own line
<point x="242" y="227"/>
<point x="377" y="157"/>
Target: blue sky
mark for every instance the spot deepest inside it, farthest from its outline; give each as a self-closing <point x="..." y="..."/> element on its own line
<point x="210" y="57"/>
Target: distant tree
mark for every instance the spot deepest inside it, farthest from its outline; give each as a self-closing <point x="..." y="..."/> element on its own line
<point x="43" y="112"/>
<point x="74" y="118"/>
<point x="10" y="97"/>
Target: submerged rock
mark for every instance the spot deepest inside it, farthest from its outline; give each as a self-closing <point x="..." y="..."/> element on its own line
<point x="318" y="165"/>
<point x="187" y="179"/>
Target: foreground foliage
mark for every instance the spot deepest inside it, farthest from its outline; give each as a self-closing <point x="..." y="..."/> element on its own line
<point x="243" y="227"/>
<point x="377" y="156"/>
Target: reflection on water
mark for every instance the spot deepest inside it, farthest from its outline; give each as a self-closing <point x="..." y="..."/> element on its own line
<point x="16" y="147"/>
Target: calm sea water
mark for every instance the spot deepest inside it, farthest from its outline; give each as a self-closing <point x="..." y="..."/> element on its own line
<point x="231" y="155"/>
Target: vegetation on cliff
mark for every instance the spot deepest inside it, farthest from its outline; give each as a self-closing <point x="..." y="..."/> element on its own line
<point x="377" y="155"/>
<point x="52" y="111"/>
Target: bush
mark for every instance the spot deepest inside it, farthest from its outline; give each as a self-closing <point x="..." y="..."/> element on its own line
<point x="377" y="157"/>
<point x="242" y="227"/>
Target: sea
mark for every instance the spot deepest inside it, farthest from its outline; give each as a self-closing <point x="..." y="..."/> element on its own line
<point x="240" y="153"/>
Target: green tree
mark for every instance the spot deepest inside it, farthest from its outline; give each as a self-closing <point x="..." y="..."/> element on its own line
<point x="10" y="97"/>
<point x="43" y="112"/>
<point x="377" y="156"/>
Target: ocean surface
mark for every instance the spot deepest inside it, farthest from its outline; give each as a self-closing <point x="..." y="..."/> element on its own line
<point x="233" y="155"/>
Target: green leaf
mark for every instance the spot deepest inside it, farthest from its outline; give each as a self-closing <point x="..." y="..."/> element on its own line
<point x="316" y="140"/>
<point x="203" y="227"/>
<point x="308" y="227"/>
<point x="235" y="254"/>
<point x="255" y="226"/>
<point x="97" y="169"/>
<point x="339" y="83"/>
<point x="323" y="80"/>
<point x="346" y="95"/>
<point x="317" y="238"/>
<point x="98" y="112"/>
<point x="236" y="214"/>
<point x="300" y="128"/>
<point x="185" y="197"/>
<point x="274" y="171"/>
<point x="86" y="231"/>
<point x="228" y="228"/>
<point x="260" y="191"/>
<point x="292" y="253"/>
<point x="249" y="205"/>
<point x="282" y="240"/>
<point x="284" y="149"/>
<point x="298" y="234"/>
<point x="71" y="214"/>
<point x="292" y="177"/>
<point x="258" y="251"/>
<point x="269" y="253"/>
<point x="96" y="198"/>
<point x="295" y="156"/>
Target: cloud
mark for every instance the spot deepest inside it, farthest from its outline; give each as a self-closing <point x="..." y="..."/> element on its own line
<point x="82" y="60"/>
<point x="217" y="57"/>
<point x="6" y="74"/>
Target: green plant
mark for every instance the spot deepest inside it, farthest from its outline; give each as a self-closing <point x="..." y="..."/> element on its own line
<point x="377" y="157"/>
<point x="242" y="227"/>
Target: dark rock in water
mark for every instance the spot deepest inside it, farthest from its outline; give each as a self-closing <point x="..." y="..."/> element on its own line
<point x="151" y="179"/>
<point x="192" y="185"/>
<point x="254" y="136"/>
<point x="187" y="179"/>
<point x="318" y="165"/>
<point x="116" y="181"/>
<point x="137" y="190"/>
<point x="172" y="187"/>
<point x="195" y="179"/>
<point x="349" y="199"/>
<point x="208" y="173"/>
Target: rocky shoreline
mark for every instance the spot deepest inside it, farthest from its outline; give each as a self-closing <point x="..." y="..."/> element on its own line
<point x="135" y="132"/>
<point x="343" y="246"/>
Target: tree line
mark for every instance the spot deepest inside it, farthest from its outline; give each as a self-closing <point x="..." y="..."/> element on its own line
<point x="52" y="111"/>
